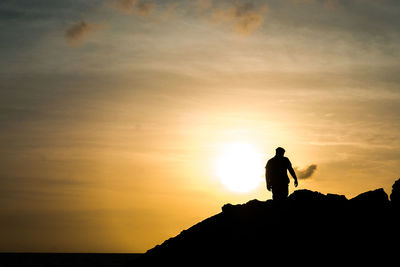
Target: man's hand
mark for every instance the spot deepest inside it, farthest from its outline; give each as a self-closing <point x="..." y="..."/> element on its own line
<point x="296" y="183"/>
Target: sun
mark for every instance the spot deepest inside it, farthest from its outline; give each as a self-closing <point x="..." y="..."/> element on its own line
<point x="240" y="167"/>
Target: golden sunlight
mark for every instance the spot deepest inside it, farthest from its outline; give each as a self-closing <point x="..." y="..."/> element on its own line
<point x="240" y="167"/>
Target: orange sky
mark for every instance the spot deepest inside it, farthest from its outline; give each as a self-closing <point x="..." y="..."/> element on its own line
<point x="116" y="114"/>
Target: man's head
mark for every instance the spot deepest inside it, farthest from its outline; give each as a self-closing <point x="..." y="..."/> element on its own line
<point x="280" y="151"/>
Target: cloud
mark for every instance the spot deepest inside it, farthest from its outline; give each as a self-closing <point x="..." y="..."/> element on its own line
<point x="144" y="8"/>
<point x="244" y="18"/>
<point x="141" y="7"/>
<point x="78" y="31"/>
<point x="203" y="5"/>
<point x="307" y="172"/>
<point x="125" y="5"/>
<point x="327" y="4"/>
<point x="331" y="4"/>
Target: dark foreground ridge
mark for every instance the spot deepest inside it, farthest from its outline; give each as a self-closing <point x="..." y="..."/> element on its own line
<point x="309" y="227"/>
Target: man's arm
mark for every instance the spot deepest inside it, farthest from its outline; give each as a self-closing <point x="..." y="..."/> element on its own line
<point x="293" y="174"/>
<point x="268" y="178"/>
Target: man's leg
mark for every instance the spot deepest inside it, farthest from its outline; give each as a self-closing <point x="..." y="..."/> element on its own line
<point x="280" y="193"/>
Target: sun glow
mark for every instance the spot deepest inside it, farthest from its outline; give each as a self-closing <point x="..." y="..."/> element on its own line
<point x="240" y="167"/>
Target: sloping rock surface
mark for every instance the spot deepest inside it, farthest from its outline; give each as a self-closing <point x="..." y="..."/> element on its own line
<point x="395" y="195"/>
<point x="308" y="228"/>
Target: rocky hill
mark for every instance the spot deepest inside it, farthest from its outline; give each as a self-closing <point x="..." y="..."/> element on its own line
<point x="308" y="228"/>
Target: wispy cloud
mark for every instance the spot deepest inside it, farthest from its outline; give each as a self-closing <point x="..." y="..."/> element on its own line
<point x="331" y="4"/>
<point x="140" y="7"/>
<point x="247" y="16"/>
<point x="125" y="5"/>
<point x="244" y="18"/>
<point x="78" y="31"/>
<point x="203" y="5"/>
<point x="144" y="7"/>
<point x="307" y="172"/>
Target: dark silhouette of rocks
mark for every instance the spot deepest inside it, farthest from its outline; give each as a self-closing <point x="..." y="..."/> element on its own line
<point x="395" y="195"/>
<point x="308" y="228"/>
<point x="376" y="197"/>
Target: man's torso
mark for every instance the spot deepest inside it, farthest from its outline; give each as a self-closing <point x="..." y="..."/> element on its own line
<point x="277" y="170"/>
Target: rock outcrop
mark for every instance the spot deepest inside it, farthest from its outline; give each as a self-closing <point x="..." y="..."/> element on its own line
<point x="308" y="228"/>
<point x="395" y="195"/>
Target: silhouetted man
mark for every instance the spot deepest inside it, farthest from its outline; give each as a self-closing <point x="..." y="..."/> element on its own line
<point x="277" y="177"/>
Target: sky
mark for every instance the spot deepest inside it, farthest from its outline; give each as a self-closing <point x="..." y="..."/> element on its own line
<point x="116" y="114"/>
